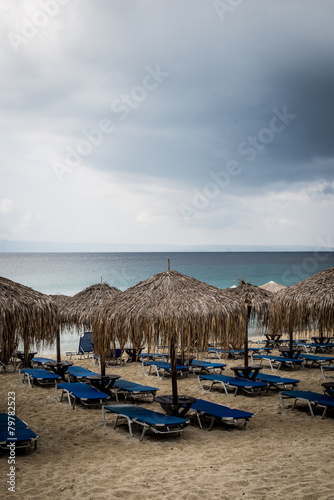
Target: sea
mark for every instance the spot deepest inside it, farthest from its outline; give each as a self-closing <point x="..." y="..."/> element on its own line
<point x="69" y="273"/>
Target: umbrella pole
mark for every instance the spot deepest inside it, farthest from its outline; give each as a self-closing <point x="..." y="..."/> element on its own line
<point x="58" y="347"/>
<point x="173" y="371"/>
<point x="248" y="314"/>
<point x="291" y="339"/>
<point x="103" y="364"/>
<point x="26" y="354"/>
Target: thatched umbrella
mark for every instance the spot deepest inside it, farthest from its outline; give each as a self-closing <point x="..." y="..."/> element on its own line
<point x="273" y="287"/>
<point x="256" y="302"/>
<point x="80" y="309"/>
<point x="308" y="304"/>
<point x="170" y="308"/>
<point x="26" y="315"/>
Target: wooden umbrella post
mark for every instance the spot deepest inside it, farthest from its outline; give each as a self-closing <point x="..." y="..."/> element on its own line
<point x="248" y="315"/>
<point x="103" y="364"/>
<point x="58" y="347"/>
<point x="173" y="371"/>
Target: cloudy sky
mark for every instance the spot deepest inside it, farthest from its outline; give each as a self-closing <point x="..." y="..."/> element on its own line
<point x="183" y="122"/>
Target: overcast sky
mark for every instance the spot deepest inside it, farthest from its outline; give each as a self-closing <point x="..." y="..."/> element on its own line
<point x="167" y="122"/>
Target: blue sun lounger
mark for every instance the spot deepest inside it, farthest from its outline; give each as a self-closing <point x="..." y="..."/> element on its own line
<point x="217" y="412"/>
<point x="164" y="366"/>
<point x="206" y="366"/>
<point x="86" y="394"/>
<point x="231" y="353"/>
<point x="14" y="430"/>
<point x="38" y="361"/>
<point x="43" y="377"/>
<point x="277" y="361"/>
<point x="326" y="368"/>
<point x="236" y="383"/>
<point x="85" y="349"/>
<point x="147" y="419"/>
<point x="276" y="382"/>
<point x="78" y="373"/>
<point x="309" y="398"/>
<point x="315" y="360"/>
<point x="133" y="389"/>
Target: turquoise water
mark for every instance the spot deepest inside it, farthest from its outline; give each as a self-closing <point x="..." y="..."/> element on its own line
<point x="69" y="273"/>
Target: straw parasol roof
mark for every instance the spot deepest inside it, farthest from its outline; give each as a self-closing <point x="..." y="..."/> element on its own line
<point x="169" y="308"/>
<point x="258" y="298"/>
<point x="59" y="299"/>
<point x="308" y="304"/>
<point x="273" y="287"/>
<point x="79" y="309"/>
<point x="26" y="315"/>
<point x="256" y="302"/>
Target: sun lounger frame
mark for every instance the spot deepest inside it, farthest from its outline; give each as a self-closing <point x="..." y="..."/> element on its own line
<point x="165" y="367"/>
<point x="310" y="399"/>
<point x="325" y="368"/>
<point x="277" y="361"/>
<point x="162" y="428"/>
<point x="49" y="379"/>
<point x="206" y="367"/>
<point x="21" y="428"/>
<point x="227" y="382"/>
<point x="134" y="390"/>
<point x="73" y="396"/>
<point x="233" y="417"/>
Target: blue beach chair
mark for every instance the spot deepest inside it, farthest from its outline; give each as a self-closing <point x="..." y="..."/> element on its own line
<point x="14" y="430"/>
<point x="164" y="366"/>
<point x="39" y="361"/>
<point x="216" y="412"/>
<point x="39" y="375"/>
<point x="315" y="360"/>
<point x="147" y="419"/>
<point x="277" y="361"/>
<point x="276" y="382"/>
<point x="312" y="399"/>
<point x="133" y="389"/>
<point x="327" y="368"/>
<point x="249" y="386"/>
<point x="206" y="366"/>
<point x="76" y="391"/>
<point x="85" y="349"/>
<point x="78" y="373"/>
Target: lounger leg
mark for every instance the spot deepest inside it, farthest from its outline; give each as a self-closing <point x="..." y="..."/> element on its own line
<point x="199" y="421"/>
<point x="116" y="421"/>
<point x="324" y="412"/>
<point x="310" y="407"/>
<point x="225" y="388"/>
<point x="145" y="427"/>
<point x="200" y="383"/>
<point x="211" y="423"/>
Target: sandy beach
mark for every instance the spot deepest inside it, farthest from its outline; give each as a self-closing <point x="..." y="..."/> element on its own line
<point x="280" y="454"/>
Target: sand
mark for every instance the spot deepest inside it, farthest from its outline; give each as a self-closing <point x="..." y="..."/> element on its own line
<point x="279" y="454"/>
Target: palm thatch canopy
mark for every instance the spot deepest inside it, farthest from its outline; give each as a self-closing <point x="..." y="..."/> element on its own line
<point x="273" y="287"/>
<point x="26" y="315"/>
<point x="59" y="299"/>
<point x="256" y="302"/>
<point x="308" y="304"/>
<point x="169" y="306"/>
<point x="258" y="298"/>
<point x="79" y="309"/>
